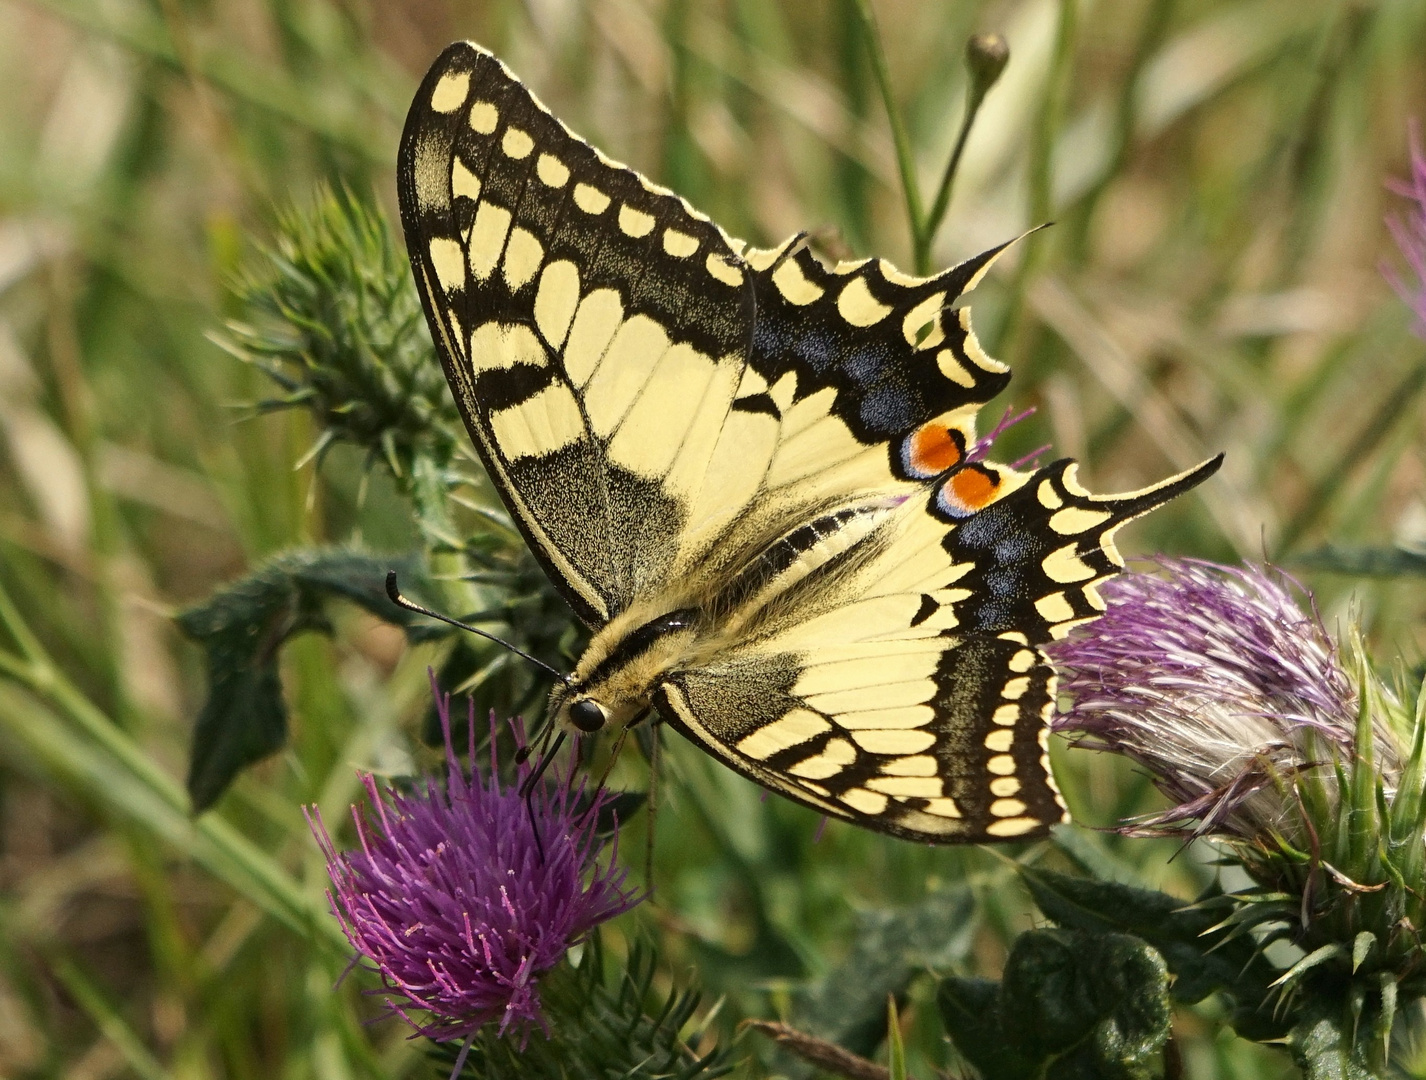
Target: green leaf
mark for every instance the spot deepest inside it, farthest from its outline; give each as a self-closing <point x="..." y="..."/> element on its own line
<point x="1072" y="1005"/>
<point x="970" y="1011"/>
<point x="1322" y="1047"/>
<point x="241" y="628"/>
<point x="1201" y="958"/>
<point x="895" y="1048"/>
<point x="848" y="1006"/>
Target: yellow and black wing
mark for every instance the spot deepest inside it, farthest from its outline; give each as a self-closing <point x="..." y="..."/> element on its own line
<point x="673" y="418"/>
<point x="655" y="401"/>
<point x="905" y="689"/>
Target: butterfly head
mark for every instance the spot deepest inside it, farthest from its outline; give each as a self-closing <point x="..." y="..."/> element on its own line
<point x="613" y="683"/>
<point x="586" y="715"/>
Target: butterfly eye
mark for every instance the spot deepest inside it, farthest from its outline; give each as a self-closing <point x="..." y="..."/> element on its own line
<point x="587" y="715"/>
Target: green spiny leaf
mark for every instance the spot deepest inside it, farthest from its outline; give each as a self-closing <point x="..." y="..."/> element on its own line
<point x="848" y="1006"/>
<point x="241" y="629"/>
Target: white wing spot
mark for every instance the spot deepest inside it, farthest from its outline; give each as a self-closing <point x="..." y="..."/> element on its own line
<point x="1012" y="826"/>
<point x="449" y="262"/>
<point x="925" y="316"/>
<point x="836" y="756"/>
<point x="1023" y="660"/>
<point x="978" y="356"/>
<point x="1073" y="520"/>
<point x="905" y="716"/>
<point x="1064" y="565"/>
<point x="517" y="144"/>
<point x="951" y="367"/>
<point x="761" y="258"/>
<point x="463" y="181"/>
<point x="899" y="277"/>
<point x="912" y="741"/>
<point x="487" y="238"/>
<point x="635" y="222"/>
<point x="1007" y="715"/>
<point x="999" y="740"/>
<point x="793" y="284"/>
<point x="556" y="301"/>
<point x="598" y="317"/>
<point x="946" y="808"/>
<point x="539" y="425"/>
<point x="483" y="117"/>
<point x="920" y="765"/>
<point x="1054" y="608"/>
<point x="916" y="787"/>
<point x="792" y="729"/>
<point x="864" y="801"/>
<point x="1015" y="688"/>
<point x="496" y="345"/>
<point x="723" y="270"/>
<point x="858" y="306"/>
<point x="1048" y="496"/>
<point x="590" y="199"/>
<point x="552" y="171"/>
<point x="523" y="255"/>
<point x="679" y="245"/>
<point x="1001" y="765"/>
<point x="1002" y="787"/>
<point x="1063" y="630"/>
<point x="451" y="89"/>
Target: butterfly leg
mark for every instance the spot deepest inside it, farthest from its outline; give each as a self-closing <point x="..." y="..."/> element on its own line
<point x="651" y="809"/>
<point x="527" y="790"/>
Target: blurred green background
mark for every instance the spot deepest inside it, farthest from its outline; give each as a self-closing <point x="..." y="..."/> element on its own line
<point x="1216" y="174"/>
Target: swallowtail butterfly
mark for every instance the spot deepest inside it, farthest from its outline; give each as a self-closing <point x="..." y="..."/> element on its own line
<point x="752" y="476"/>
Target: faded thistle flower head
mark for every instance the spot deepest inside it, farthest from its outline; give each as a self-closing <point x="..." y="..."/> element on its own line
<point x="1234" y="697"/>
<point x="1409" y="232"/>
<point x="1217" y="682"/>
<point x="456" y="903"/>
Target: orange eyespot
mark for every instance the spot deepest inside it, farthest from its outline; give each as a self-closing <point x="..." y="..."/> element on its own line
<point x="932" y="449"/>
<point x="972" y="488"/>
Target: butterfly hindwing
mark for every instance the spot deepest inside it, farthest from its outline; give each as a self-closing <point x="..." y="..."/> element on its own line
<point x="908" y="691"/>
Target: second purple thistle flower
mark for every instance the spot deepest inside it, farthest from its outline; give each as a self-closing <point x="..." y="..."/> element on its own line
<point x="1218" y="683"/>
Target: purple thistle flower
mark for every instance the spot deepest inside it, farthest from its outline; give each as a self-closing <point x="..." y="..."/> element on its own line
<point x="1217" y="682"/>
<point x="1409" y="232"/>
<point x="451" y="898"/>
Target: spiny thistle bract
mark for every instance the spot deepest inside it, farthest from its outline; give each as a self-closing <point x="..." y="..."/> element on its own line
<point x="458" y="904"/>
<point x="335" y="321"/>
<point x="1309" y="769"/>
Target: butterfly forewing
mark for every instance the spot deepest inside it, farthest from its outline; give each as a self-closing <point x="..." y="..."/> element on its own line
<point x="584" y="318"/>
<point x="775" y="453"/>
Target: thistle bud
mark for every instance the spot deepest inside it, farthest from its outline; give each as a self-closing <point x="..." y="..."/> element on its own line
<point x="986" y="57"/>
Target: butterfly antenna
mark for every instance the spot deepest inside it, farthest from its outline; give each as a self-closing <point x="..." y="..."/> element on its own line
<point x="527" y="791"/>
<point x="400" y="601"/>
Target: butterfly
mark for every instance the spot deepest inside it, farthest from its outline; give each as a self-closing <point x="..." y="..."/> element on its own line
<point x="754" y="478"/>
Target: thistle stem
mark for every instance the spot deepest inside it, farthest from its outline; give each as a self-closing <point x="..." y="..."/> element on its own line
<point x="905" y="162"/>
